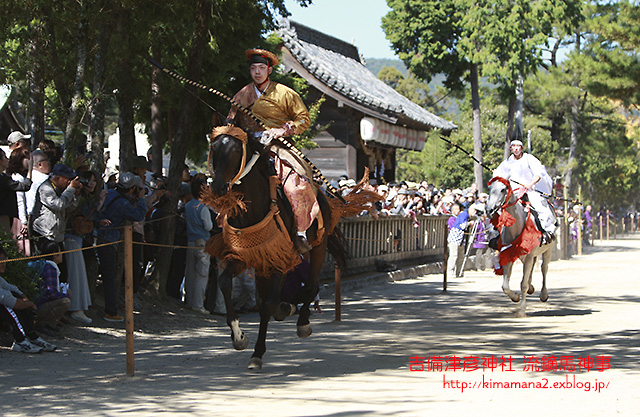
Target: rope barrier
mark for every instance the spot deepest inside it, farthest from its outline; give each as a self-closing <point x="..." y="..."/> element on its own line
<point x="159" y="245"/>
<point x="26" y="258"/>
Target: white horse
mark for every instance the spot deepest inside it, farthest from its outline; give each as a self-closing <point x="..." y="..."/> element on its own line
<point x="502" y="199"/>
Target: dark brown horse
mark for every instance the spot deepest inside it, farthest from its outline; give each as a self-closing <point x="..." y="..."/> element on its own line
<point x="258" y="231"/>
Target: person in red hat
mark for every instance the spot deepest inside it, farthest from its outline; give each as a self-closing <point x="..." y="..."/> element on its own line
<point x="279" y="107"/>
<point x="284" y="114"/>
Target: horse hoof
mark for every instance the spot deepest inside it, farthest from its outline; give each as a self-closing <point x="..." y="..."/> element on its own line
<point x="530" y="290"/>
<point x="241" y="344"/>
<point x="544" y="296"/>
<point x="515" y="298"/>
<point x="521" y="314"/>
<point x="285" y="310"/>
<point x="255" y="363"/>
<point x="304" y="331"/>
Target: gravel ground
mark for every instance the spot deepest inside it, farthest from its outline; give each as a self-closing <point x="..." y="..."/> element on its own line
<point x="184" y="362"/>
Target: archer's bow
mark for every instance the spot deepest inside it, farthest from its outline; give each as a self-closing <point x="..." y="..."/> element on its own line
<point x="255" y="118"/>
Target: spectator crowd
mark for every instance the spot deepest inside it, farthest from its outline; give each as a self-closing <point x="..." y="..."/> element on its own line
<point x="73" y="219"/>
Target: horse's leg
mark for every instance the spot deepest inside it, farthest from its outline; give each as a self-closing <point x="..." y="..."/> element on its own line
<point x="546" y="258"/>
<point x="533" y="266"/>
<point x="261" y="343"/>
<point x="316" y="260"/>
<point x="506" y="274"/>
<point x="527" y="270"/>
<point x="225" y="280"/>
<point x="268" y="305"/>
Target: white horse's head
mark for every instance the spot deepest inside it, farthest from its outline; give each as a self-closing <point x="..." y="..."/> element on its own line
<point x="499" y="194"/>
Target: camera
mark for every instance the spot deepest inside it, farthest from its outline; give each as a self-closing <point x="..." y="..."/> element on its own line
<point x="83" y="181"/>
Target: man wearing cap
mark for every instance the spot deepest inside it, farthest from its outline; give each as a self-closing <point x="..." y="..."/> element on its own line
<point x="529" y="176"/>
<point x="141" y="169"/>
<point x="18" y="140"/>
<point x="55" y="199"/>
<point x="284" y="114"/>
<point x="123" y="203"/>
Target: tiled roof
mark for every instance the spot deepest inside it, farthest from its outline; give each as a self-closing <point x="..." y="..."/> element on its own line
<point x="338" y="65"/>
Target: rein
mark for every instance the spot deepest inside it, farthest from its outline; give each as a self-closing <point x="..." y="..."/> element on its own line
<point x="504" y="218"/>
<point x="505" y="203"/>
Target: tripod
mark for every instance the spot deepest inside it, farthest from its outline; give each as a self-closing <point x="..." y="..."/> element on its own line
<point x="474" y="232"/>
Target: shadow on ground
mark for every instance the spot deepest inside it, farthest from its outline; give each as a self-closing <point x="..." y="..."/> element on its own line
<point x="383" y="326"/>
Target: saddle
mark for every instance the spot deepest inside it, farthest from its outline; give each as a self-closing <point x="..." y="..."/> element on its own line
<point x="546" y="237"/>
<point x="294" y="161"/>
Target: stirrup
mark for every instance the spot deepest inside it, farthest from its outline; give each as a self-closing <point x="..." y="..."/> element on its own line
<point x="303" y="244"/>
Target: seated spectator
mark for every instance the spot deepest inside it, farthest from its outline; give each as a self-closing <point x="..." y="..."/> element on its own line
<point x="53" y="301"/>
<point x="18" y="313"/>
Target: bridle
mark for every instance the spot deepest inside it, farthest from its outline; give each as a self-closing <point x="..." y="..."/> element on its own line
<point x="241" y="135"/>
<point x="505" y="202"/>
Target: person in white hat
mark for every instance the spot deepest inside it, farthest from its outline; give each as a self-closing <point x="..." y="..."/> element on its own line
<point x="528" y="175"/>
<point x="18" y="139"/>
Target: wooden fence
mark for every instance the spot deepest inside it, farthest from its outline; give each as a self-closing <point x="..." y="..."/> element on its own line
<point x="372" y="243"/>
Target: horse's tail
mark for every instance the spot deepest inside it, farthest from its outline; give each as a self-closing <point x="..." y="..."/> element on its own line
<point x="335" y="246"/>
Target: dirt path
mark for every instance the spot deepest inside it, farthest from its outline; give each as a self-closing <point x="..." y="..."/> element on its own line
<point x="361" y="366"/>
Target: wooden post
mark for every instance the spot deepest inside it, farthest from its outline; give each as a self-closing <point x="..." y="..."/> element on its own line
<point x="446" y="257"/>
<point x="338" y="285"/>
<point x="128" y="296"/>
<point x="601" y="231"/>
<point x="579" y="220"/>
<point x="607" y="226"/>
<point x="566" y="234"/>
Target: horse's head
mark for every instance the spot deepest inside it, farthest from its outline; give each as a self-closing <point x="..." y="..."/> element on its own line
<point x="227" y="157"/>
<point x="499" y="194"/>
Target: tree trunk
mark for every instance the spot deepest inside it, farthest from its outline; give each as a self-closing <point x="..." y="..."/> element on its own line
<point x="73" y="139"/>
<point x="510" y="123"/>
<point x="156" y="111"/>
<point x="573" y="145"/>
<point x="182" y="136"/>
<point x="96" y="127"/>
<point x="35" y="115"/>
<point x="125" y="95"/>
<point x="477" y="134"/>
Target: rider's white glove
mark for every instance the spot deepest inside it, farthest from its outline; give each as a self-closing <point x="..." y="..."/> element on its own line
<point x="269" y="135"/>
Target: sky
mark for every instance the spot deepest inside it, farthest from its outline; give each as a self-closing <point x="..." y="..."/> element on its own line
<point x="354" y="21"/>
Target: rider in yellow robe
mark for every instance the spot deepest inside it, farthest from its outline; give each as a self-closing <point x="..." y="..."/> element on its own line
<point x="282" y="111"/>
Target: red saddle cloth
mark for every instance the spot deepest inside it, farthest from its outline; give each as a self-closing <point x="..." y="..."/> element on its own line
<point x="528" y="239"/>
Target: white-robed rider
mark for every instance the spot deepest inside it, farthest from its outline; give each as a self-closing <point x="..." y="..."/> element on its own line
<point x="528" y="175"/>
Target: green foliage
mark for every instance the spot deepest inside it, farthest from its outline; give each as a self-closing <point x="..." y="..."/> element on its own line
<point x="612" y="53"/>
<point x="305" y="140"/>
<point x="17" y="272"/>
<point x="609" y="163"/>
